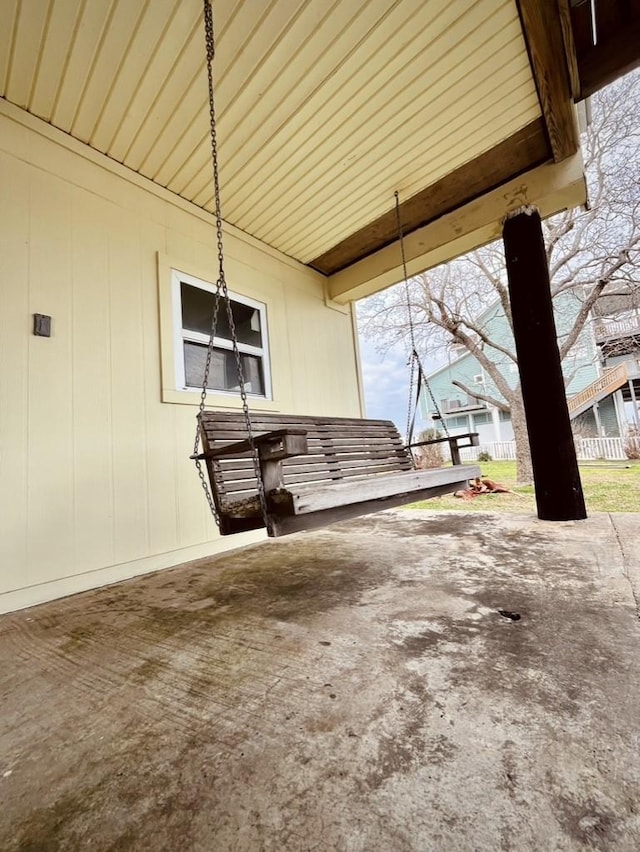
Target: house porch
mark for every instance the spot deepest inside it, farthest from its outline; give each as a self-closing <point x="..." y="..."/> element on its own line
<point x="406" y="681"/>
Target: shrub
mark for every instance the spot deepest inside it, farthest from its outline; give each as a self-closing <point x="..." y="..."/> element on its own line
<point x="484" y="456"/>
<point x="430" y="456"/>
<point x="632" y="443"/>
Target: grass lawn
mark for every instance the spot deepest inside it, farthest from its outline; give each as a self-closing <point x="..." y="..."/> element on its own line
<point x="606" y="489"/>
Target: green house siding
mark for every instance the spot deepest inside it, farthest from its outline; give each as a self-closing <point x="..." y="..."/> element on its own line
<point x="580" y="369"/>
<point x="586" y="426"/>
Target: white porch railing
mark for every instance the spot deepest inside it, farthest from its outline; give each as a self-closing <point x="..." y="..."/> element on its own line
<point x="616" y="328"/>
<point x="591" y="449"/>
<point x="587" y="449"/>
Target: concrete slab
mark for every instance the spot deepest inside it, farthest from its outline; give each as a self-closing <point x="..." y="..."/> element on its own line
<point x="407" y="681"/>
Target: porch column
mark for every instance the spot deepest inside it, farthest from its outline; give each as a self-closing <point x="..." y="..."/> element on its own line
<point x="618" y="404"/>
<point x="495" y="417"/>
<point x="555" y="467"/>
<point x="634" y="403"/>
<point x="596" y="417"/>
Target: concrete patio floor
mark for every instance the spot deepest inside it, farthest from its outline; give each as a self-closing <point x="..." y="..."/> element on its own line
<point x="350" y="689"/>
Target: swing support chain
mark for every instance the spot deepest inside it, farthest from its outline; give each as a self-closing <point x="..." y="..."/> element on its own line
<point x="414" y="358"/>
<point x="221" y="292"/>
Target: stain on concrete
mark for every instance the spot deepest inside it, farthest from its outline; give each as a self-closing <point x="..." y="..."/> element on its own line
<point x="355" y="688"/>
<point x="587" y="822"/>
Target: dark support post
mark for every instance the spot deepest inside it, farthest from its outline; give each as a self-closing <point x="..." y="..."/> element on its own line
<point x="553" y="455"/>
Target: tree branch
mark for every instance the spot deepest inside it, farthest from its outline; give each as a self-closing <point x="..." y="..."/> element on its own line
<point x="492" y="400"/>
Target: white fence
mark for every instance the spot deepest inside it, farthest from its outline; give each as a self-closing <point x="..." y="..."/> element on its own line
<point x="587" y="449"/>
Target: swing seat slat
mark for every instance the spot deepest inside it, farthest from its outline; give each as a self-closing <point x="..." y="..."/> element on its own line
<point x="315" y="470"/>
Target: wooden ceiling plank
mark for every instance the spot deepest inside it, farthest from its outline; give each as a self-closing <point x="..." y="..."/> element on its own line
<point x="169" y="141"/>
<point x="169" y="100"/>
<point x="202" y="179"/>
<point x="331" y="121"/>
<point x="54" y="57"/>
<point x="314" y="43"/>
<point x="196" y="149"/>
<point x="23" y="63"/>
<point x="111" y="53"/>
<point x="408" y="173"/>
<point x="154" y="23"/>
<point x="428" y="125"/>
<point x="427" y="203"/>
<point x="155" y="75"/>
<point x="7" y="34"/>
<point x="522" y="151"/>
<point x="456" y="138"/>
<point x="87" y="36"/>
<point x="542" y="30"/>
<point x="309" y="251"/>
<point x="340" y="65"/>
<point x="235" y="25"/>
<point x="399" y="89"/>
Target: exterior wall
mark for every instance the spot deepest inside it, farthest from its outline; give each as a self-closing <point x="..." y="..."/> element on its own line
<point x="586" y="424"/>
<point x="95" y="480"/>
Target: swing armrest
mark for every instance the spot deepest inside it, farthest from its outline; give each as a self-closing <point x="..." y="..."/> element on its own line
<point x="271" y="446"/>
<point x="473" y="436"/>
<point x="454" y="445"/>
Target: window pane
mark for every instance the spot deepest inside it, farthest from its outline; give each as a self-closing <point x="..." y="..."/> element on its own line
<point x="197" y="313"/>
<point x="223" y="373"/>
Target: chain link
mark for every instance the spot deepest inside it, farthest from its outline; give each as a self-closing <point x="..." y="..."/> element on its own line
<point x="437" y="409"/>
<point x="221" y="291"/>
<point x="412" y="370"/>
<point x="414" y="358"/>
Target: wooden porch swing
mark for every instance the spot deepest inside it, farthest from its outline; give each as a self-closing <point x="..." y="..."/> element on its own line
<point x="289" y="473"/>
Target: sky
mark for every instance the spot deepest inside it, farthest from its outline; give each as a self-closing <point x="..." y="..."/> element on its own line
<point x="386" y="383"/>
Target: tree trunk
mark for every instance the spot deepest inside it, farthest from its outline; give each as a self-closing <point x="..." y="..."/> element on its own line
<point x="524" y="468"/>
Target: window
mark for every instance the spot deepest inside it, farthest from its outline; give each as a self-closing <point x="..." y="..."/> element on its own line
<point x="193" y="305"/>
<point x="458" y="422"/>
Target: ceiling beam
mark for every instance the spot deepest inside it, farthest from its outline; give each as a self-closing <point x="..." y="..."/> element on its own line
<point x="542" y="28"/>
<point x="564" y="10"/>
<point x="615" y="54"/>
<point x="517" y="154"/>
<point x="551" y="188"/>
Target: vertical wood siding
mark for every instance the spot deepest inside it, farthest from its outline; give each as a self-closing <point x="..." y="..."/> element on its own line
<point x="94" y="467"/>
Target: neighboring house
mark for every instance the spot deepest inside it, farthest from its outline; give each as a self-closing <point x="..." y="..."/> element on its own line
<point x="616" y="329"/>
<point x="596" y="393"/>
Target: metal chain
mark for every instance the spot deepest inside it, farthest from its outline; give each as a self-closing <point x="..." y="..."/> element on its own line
<point x="222" y="291"/>
<point x="412" y="371"/>
<point x="435" y="405"/>
<point x="414" y="358"/>
<point x="413" y="355"/>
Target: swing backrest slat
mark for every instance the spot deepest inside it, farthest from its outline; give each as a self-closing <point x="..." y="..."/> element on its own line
<point x="340" y="448"/>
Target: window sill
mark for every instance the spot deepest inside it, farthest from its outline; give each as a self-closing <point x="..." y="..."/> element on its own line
<point x="217" y="400"/>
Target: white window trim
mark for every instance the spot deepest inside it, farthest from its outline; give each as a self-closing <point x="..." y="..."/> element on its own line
<point x="179" y="336"/>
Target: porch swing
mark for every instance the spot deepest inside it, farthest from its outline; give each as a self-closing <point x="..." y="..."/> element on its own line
<point x="289" y="473"/>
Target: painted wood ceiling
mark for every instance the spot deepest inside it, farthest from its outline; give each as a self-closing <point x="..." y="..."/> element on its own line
<point x="325" y="107"/>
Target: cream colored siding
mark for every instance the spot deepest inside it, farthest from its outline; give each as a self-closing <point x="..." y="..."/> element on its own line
<point x="324" y="108"/>
<point x="95" y="480"/>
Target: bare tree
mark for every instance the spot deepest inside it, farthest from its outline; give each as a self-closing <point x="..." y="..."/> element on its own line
<point x="591" y="252"/>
